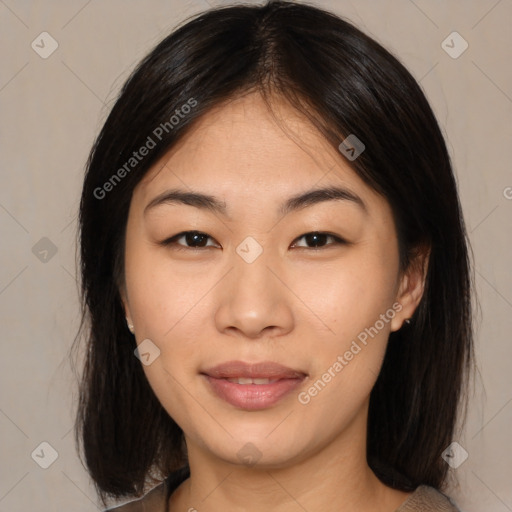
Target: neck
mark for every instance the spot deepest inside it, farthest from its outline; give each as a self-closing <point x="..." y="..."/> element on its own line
<point x="335" y="473"/>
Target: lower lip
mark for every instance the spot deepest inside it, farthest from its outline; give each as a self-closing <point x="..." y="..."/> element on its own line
<point x="252" y="396"/>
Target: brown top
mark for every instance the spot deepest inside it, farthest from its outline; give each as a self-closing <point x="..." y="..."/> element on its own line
<point x="423" y="499"/>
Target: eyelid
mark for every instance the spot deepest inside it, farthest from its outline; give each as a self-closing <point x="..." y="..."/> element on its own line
<point x="172" y="240"/>
<point x="337" y="240"/>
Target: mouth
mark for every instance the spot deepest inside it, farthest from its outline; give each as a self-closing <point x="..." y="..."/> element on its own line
<point x="252" y="386"/>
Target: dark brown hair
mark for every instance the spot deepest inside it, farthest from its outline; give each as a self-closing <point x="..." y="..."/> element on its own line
<point x="345" y="83"/>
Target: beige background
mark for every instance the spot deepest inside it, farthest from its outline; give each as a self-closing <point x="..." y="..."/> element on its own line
<point x="52" y="108"/>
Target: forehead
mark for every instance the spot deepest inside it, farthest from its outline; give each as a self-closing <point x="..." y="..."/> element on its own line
<point x="241" y="148"/>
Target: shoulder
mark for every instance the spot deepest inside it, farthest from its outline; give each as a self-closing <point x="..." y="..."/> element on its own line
<point x="427" y="499"/>
<point x="156" y="499"/>
<point x="150" y="501"/>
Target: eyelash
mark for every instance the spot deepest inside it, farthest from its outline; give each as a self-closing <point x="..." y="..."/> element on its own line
<point x="173" y="241"/>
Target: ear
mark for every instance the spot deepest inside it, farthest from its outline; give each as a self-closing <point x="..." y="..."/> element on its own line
<point x="412" y="286"/>
<point x="125" y="303"/>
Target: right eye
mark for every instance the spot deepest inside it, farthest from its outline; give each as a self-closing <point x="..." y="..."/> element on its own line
<point x="196" y="239"/>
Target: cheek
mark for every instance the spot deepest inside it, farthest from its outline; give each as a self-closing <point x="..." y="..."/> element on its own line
<point x="356" y="303"/>
<point x="163" y="295"/>
<point x="350" y="293"/>
<point x="168" y="308"/>
<point x="354" y="297"/>
<point x="169" y="305"/>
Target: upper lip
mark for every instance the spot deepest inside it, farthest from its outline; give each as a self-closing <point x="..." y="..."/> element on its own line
<point x="261" y="370"/>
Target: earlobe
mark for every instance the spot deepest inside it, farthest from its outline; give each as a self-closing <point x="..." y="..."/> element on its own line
<point x="129" y="322"/>
<point x="130" y="326"/>
<point x="126" y="307"/>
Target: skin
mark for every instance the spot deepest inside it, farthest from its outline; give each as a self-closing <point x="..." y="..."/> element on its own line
<point x="295" y="305"/>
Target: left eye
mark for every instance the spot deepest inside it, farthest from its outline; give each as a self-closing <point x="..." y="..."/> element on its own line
<point x="318" y="238"/>
<point x="198" y="240"/>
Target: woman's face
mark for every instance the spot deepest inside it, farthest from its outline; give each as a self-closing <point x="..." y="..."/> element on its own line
<point x="250" y="287"/>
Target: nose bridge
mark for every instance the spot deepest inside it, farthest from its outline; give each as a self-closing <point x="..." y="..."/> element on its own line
<point x="253" y="299"/>
<point x="252" y="279"/>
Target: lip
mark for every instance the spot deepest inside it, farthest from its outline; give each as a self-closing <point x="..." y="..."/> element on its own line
<point x="253" y="396"/>
<point x="261" y="370"/>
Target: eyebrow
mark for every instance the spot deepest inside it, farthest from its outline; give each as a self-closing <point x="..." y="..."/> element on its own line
<point x="297" y="202"/>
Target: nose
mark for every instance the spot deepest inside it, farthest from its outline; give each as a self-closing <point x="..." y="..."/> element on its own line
<point x="254" y="300"/>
